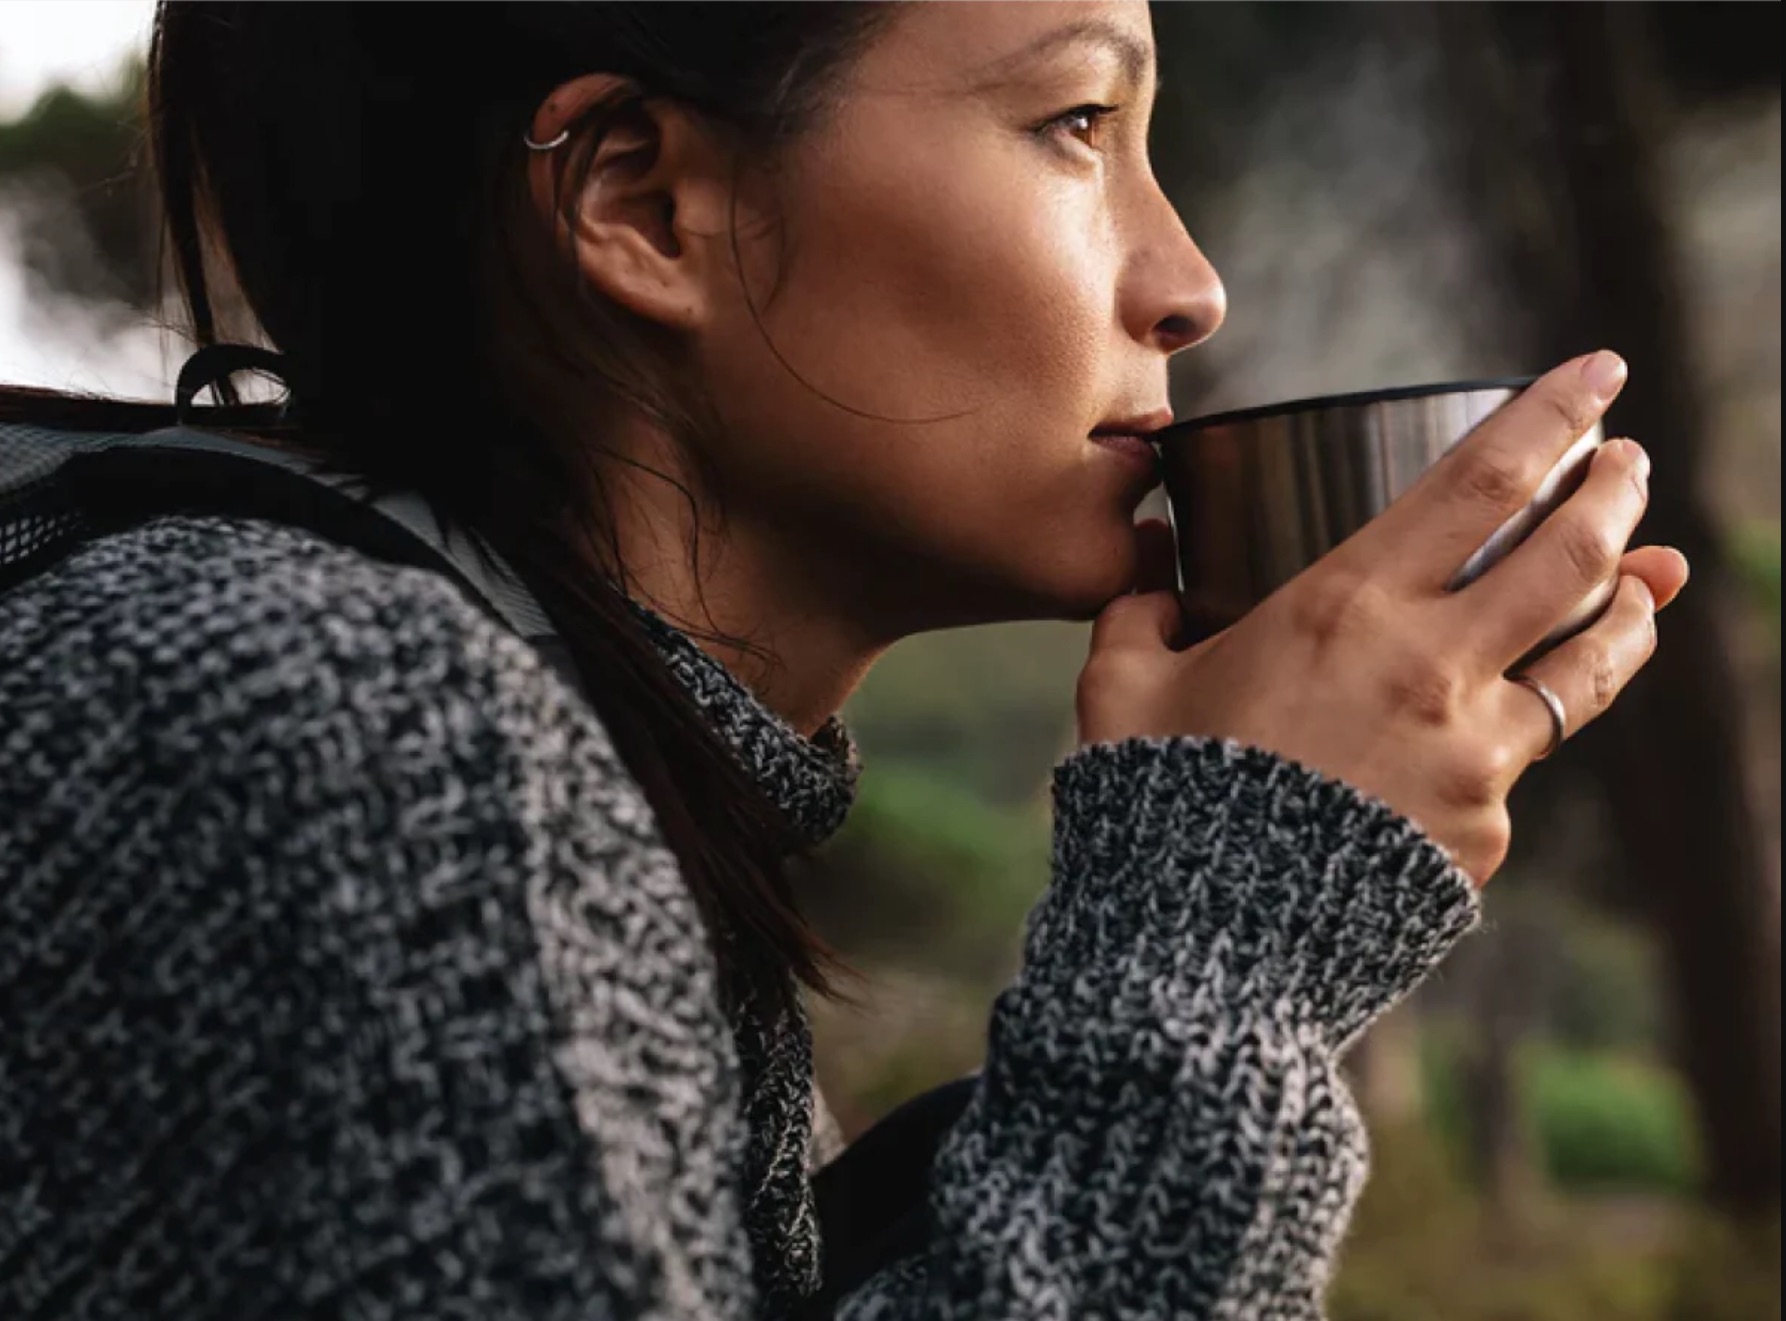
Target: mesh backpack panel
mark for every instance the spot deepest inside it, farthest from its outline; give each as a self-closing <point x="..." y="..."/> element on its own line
<point x="59" y="488"/>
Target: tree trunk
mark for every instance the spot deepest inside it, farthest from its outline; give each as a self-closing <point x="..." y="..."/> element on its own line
<point x="1672" y="753"/>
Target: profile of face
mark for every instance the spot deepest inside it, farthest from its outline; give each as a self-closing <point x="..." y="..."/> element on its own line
<point x="913" y="324"/>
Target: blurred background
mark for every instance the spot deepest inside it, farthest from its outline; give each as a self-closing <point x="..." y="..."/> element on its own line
<point x="1580" y="1116"/>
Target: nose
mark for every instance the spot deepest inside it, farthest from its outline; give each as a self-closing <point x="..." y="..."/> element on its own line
<point x="1173" y="298"/>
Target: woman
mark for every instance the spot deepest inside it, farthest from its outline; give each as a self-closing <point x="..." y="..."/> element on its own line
<point x="358" y="964"/>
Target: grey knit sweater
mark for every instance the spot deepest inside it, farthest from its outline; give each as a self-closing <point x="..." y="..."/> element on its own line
<point x="343" y="973"/>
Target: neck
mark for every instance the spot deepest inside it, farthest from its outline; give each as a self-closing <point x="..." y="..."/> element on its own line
<point x="753" y="606"/>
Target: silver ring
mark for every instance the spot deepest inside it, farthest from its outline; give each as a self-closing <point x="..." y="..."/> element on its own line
<point x="557" y="142"/>
<point x="1559" y="718"/>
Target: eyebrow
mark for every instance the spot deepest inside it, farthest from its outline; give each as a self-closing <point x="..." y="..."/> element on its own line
<point x="1135" y="56"/>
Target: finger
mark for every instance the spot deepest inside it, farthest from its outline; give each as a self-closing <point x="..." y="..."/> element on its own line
<point x="1663" y="569"/>
<point x="1157" y="568"/>
<point x="1587" y="672"/>
<point x="1149" y="622"/>
<point x="1493" y="473"/>
<point x="1573" y="554"/>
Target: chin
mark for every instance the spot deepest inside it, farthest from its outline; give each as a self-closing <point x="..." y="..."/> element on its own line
<point x="964" y="590"/>
<point x="1077" y="589"/>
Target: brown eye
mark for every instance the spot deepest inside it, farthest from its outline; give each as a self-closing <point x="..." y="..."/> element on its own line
<point x="1086" y="123"/>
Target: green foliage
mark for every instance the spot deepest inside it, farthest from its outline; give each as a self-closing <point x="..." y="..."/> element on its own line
<point x="69" y="130"/>
<point x="977" y="857"/>
<point x="1755" y="556"/>
<point x="1603" y="1122"/>
<point x="927" y="871"/>
<point x="948" y="845"/>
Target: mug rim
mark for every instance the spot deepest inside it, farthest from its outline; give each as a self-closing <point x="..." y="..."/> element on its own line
<point x="1358" y="399"/>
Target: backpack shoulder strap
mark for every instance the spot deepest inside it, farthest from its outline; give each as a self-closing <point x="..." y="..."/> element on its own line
<point x="59" y="488"/>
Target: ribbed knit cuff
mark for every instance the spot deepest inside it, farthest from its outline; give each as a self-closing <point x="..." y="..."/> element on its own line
<point x="1299" y="893"/>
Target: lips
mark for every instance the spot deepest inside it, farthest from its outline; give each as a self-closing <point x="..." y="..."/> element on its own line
<point x="1137" y="424"/>
<point x="1137" y="449"/>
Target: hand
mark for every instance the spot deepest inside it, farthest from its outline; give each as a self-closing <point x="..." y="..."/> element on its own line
<point x="1367" y="669"/>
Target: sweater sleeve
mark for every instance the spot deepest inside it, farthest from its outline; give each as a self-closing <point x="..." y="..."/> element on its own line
<point x="1161" y="1129"/>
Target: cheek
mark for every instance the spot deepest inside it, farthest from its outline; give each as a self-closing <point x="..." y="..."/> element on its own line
<point x="939" y="282"/>
<point x="923" y="379"/>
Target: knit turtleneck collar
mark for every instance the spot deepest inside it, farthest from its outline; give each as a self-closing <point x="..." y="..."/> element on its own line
<point x="812" y="780"/>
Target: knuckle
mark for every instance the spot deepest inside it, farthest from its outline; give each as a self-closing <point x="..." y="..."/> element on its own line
<point x="1498" y="480"/>
<point x="1471" y="783"/>
<point x="1427" y="690"/>
<point x="1601" y="673"/>
<point x="1570" y="407"/>
<point x="1501" y="763"/>
<point x="1338" y="604"/>
<point x="1619" y="461"/>
<point x="1591" y="551"/>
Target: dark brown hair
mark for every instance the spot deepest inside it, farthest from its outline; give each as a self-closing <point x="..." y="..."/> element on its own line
<point x="343" y="180"/>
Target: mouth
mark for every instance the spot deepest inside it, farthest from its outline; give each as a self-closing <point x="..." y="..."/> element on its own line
<point x="1133" y="438"/>
<point x="1139" y="424"/>
<point x="1137" y="449"/>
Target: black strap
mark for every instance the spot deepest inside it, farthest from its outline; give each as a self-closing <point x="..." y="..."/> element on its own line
<point x="123" y="486"/>
<point x="873" y="1201"/>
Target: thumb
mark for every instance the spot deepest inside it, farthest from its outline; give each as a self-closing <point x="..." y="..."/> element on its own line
<point x="1142" y="621"/>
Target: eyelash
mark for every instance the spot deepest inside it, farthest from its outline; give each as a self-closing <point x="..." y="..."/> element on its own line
<point x="1094" y="113"/>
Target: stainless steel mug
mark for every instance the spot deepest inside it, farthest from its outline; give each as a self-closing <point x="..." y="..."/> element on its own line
<point x="1258" y="496"/>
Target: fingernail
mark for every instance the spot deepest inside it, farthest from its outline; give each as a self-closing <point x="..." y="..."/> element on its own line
<point x="1645" y="595"/>
<point x="1604" y="373"/>
<point x="1640" y="459"/>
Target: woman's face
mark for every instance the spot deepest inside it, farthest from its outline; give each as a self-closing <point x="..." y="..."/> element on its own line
<point x="975" y="271"/>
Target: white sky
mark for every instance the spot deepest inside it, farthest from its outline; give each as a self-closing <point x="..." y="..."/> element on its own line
<point x="43" y="42"/>
<point x="81" y="41"/>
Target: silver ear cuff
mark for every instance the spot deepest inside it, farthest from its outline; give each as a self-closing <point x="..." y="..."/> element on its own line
<point x="557" y="142"/>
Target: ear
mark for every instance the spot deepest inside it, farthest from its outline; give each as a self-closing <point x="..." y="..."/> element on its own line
<point x="643" y="224"/>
